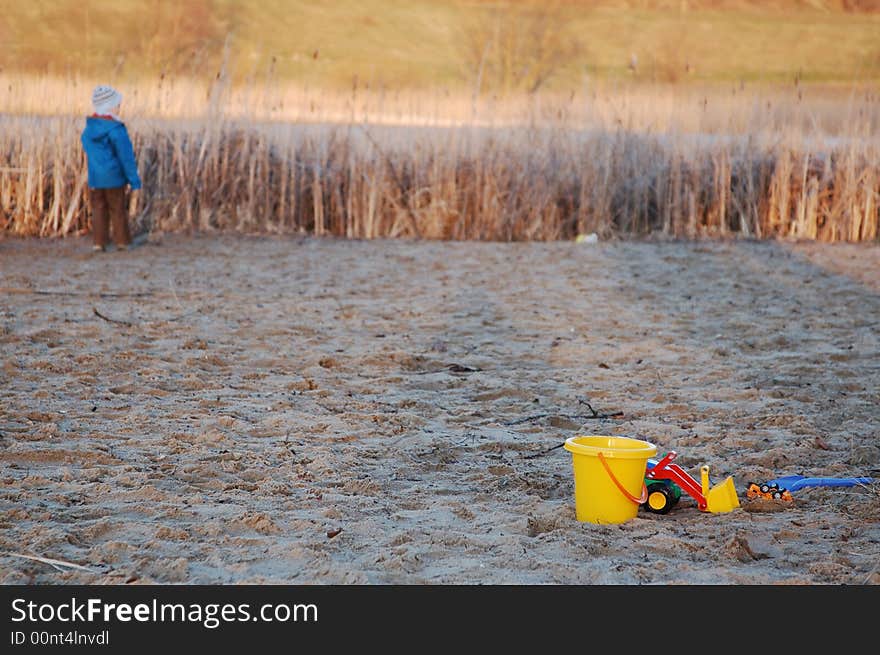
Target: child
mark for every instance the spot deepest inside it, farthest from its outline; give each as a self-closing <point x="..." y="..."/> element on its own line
<point x="112" y="165"/>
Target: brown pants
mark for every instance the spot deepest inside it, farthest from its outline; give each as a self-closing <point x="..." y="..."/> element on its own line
<point x="109" y="206"/>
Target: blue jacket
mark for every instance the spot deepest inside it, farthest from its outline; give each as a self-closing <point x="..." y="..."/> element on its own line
<point x="110" y="154"/>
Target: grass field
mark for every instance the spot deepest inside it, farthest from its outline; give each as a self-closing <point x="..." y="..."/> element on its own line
<point x="424" y="43"/>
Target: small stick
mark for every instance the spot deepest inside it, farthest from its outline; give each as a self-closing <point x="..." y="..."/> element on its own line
<point x="543" y="452"/>
<point x="595" y="414"/>
<point x="534" y="417"/>
<point x="526" y="419"/>
<point x="111" y="320"/>
<point x="55" y="563"/>
<point x="138" y="294"/>
<point x="43" y="292"/>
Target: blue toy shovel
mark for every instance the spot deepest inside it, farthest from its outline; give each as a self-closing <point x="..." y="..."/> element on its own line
<point x="795" y="482"/>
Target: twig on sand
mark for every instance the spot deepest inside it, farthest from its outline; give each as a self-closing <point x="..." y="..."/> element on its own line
<point x="454" y="368"/>
<point x="47" y="292"/>
<point x="111" y="320"/>
<point x="458" y="368"/>
<point x="544" y="452"/>
<point x="535" y="417"/>
<point x="526" y="419"/>
<point x="160" y="320"/>
<point x="596" y="414"/>
<point x="57" y="564"/>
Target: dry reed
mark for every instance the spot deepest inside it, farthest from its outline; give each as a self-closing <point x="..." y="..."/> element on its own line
<point x="280" y="159"/>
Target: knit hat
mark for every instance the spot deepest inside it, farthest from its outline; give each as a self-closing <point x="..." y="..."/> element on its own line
<point x="105" y="99"/>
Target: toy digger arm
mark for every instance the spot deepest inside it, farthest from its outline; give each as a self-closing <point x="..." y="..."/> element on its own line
<point x="666" y="470"/>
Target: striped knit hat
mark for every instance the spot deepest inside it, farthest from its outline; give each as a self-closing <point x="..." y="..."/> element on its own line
<point x="105" y="99"/>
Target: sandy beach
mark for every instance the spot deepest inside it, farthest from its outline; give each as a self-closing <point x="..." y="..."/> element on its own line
<point x="282" y="409"/>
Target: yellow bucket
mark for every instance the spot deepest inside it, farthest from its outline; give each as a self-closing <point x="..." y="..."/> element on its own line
<point x="609" y="476"/>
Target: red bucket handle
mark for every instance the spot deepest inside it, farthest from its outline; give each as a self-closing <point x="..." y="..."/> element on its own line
<point x="637" y="501"/>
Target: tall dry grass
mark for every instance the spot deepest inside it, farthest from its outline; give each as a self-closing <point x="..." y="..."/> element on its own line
<point x="624" y="161"/>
